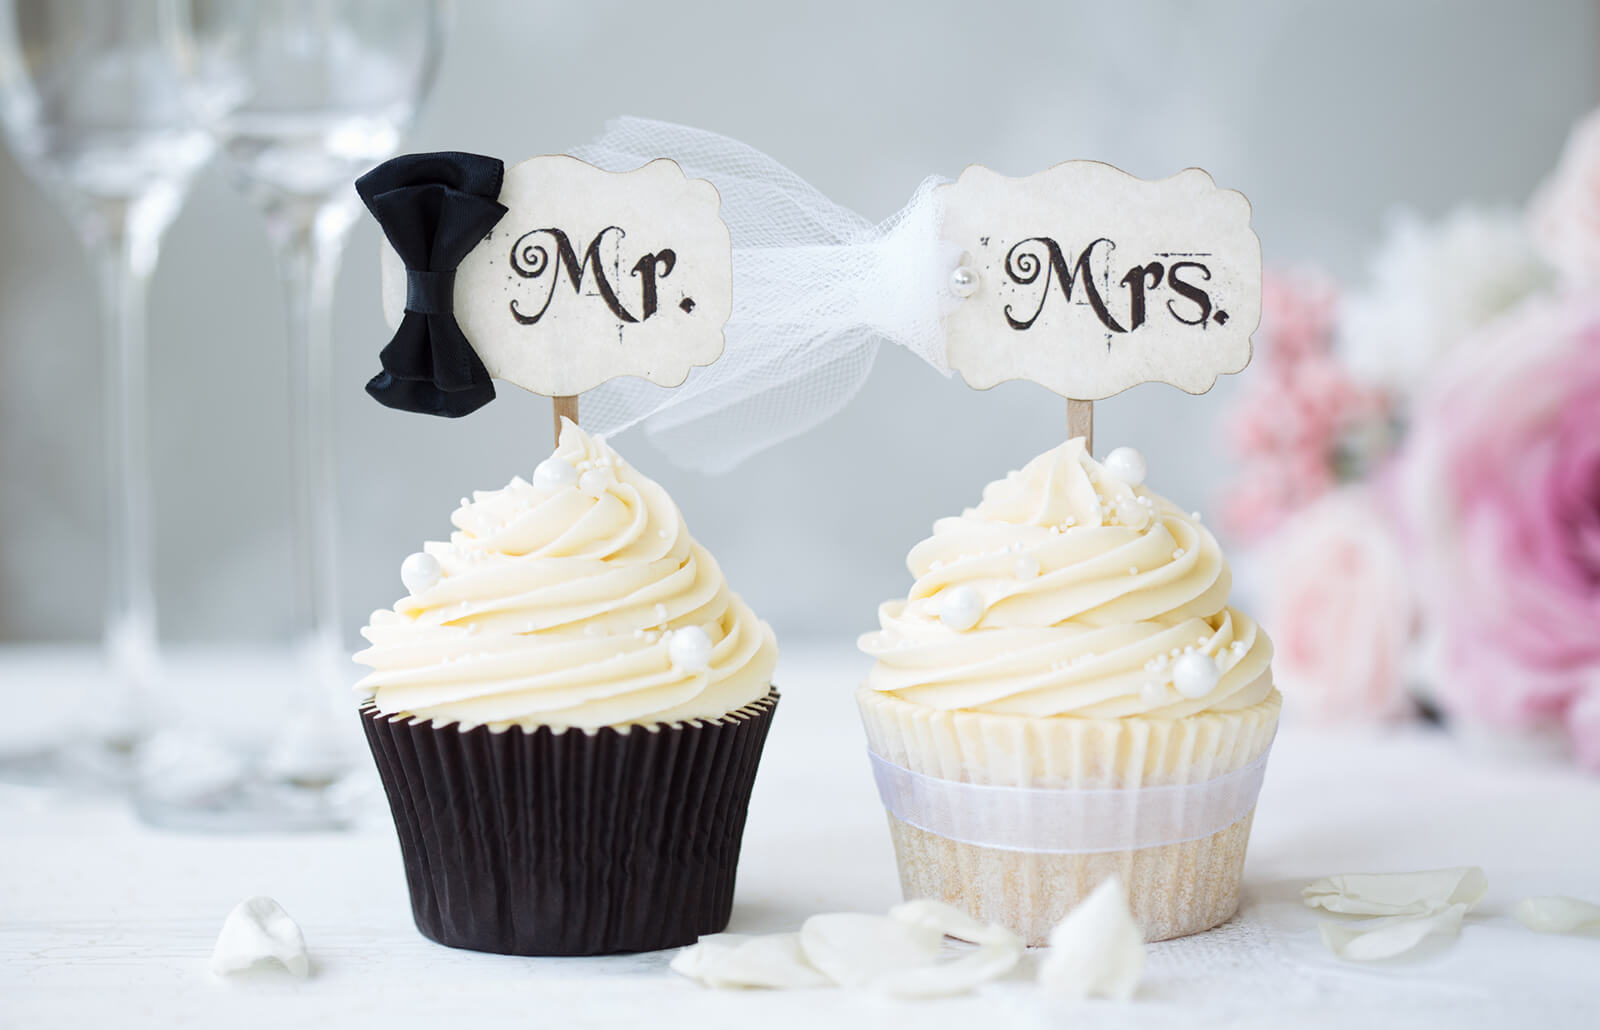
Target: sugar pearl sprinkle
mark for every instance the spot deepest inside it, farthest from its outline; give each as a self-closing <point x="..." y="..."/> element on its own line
<point x="960" y="608"/>
<point x="420" y="571"/>
<point x="690" y="649"/>
<point x="1026" y="568"/>
<point x="554" y="474"/>
<point x="594" y="482"/>
<point x="1153" y="694"/>
<point x="1195" y="674"/>
<point x="1126" y="464"/>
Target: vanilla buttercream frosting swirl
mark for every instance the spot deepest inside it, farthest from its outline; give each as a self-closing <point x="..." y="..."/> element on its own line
<point x="1089" y="591"/>
<point x="557" y="603"/>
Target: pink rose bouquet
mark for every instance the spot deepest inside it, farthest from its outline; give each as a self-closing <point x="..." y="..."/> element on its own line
<point x="1420" y="470"/>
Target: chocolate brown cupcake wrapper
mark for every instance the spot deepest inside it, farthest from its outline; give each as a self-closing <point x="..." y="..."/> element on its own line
<point x="570" y="842"/>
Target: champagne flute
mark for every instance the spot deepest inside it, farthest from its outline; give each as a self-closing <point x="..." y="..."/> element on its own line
<point x="93" y="109"/>
<point x="302" y="97"/>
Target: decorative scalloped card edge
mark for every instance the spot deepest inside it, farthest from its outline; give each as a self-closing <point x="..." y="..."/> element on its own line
<point x="592" y="275"/>
<point x="1088" y="280"/>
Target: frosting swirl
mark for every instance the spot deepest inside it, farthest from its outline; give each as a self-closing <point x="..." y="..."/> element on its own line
<point x="576" y="600"/>
<point x="1089" y="591"/>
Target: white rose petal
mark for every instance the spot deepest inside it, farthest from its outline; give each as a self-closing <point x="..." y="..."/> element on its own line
<point x="1406" y="908"/>
<point x="998" y="952"/>
<point x="1398" y="894"/>
<point x="1098" y="950"/>
<point x="259" y="931"/>
<point x="1558" y="914"/>
<point x="899" y="954"/>
<point x="1368" y="940"/>
<point x="951" y="922"/>
<point x="855" y="950"/>
<point x="736" y="960"/>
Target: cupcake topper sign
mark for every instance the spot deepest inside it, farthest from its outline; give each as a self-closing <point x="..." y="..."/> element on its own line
<point x="584" y="276"/>
<point x="1087" y="280"/>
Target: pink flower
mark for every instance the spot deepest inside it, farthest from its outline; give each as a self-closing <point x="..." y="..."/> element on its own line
<point x="1340" y="609"/>
<point x="1296" y="411"/>
<point x="1564" y="216"/>
<point x="1502" y="483"/>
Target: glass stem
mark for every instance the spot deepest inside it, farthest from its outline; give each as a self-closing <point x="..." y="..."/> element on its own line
<point x="308" y="257"/>
<point x="124" y="250"/>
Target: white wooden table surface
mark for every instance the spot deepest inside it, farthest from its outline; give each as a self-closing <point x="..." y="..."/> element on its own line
<point x="106" y="923"/>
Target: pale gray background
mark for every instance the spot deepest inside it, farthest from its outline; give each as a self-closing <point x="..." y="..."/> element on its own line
<point x="1326" y="115"/>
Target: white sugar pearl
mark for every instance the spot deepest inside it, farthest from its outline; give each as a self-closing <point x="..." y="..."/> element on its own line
<point x="964" y="281"/>
<point x="690" y="649"/>
<point x="1026" y="568"/>
<point x="1195" y="674"/>
<point x="1126" y="464"/>
<point x="1152" y="694"/>
<point x="594" y="482"/>
<point x="554" y="474"/>
<point x="960" y="608"/>
<point x="420" y="572"/>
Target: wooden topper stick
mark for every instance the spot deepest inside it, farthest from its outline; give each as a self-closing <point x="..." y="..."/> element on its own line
<point x="1080" y="422"/>
<point x="564" y="407"/>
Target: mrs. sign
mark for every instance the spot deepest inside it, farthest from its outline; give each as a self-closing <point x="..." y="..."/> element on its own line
<point x="1089" y="280"/>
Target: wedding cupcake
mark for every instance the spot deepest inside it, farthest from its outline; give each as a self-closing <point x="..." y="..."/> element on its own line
<point x="567" y="710"/>
<point x="1066" y="695"/>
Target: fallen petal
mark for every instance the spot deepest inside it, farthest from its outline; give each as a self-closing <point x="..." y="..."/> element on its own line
<point x="1369" y="940"/>
<point x="258" y="930"/>
<point x="984" y="963"/>
<point x="1558" y="913"/>
<point x="697" y="958"/>
<point x="952" y="922"/>
<point x="1098" y="950"/>
<point x="1398" y="894"/>
<point x="854" y="950"/>
<point x="733" y="960"/>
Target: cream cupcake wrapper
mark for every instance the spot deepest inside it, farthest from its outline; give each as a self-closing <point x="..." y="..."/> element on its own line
<point x="1067" y="821"/>
<point x="1066" y="752"/>
<point x="1173" y="889"/>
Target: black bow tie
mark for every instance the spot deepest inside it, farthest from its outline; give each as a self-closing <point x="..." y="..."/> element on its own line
<point x="434" y="208"/>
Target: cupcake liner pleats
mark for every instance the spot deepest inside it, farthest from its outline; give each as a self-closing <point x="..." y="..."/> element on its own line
<point x="1174" y="889"/>
<point x="570" y="843"/>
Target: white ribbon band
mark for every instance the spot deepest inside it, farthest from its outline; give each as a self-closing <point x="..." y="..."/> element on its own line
<point x="1067" y="821"/>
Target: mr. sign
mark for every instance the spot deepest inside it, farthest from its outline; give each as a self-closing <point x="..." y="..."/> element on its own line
<point x="593" y="275"/>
